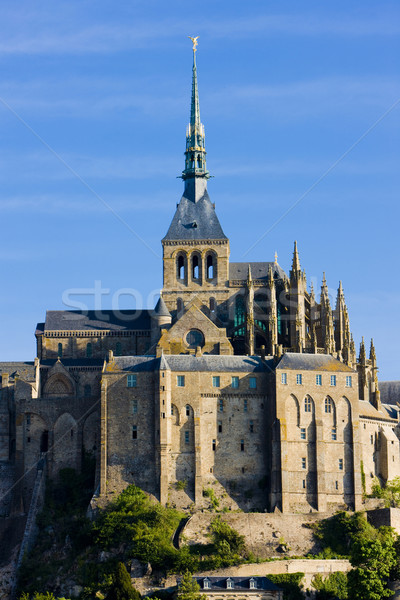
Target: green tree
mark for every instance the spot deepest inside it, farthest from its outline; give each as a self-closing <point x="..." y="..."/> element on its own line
<point x="121" y="587"/>
<point x="332" y="587"/>
<point x="373" y="560"/>
<point x="189" y="589"/>
<point x="390" y="493"/>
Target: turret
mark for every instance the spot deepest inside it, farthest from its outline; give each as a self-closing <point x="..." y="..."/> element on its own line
<point x="161" y="319"/>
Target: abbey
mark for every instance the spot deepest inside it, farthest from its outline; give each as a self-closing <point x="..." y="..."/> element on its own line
<point x="239" y="378"/>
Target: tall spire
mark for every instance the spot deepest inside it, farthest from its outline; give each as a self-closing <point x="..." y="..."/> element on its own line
<point x="195" y="153"/>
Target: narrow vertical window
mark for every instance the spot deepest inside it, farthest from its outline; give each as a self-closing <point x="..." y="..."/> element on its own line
<point x="235" y="382"/>
<point x="303" y="463"/>
<point x="304" y="484"/>
<point x="134" y="432"/>
<point x="251" y="426"/>
<point x="187" y="410"/>
<point x="134" y="406"/>
<point x="212" y="304"/>
<point x="340" y="464"/>
<point x="195" y="267"/>
<point x="214" y="444"/>
<point x="333" y="380"/>
<point x="219" y="426"/>
<point x="334" y="434"/>
<point x="307" y="404"/>
<point x="328" y="405"/>
<point x="210" y="267"/>
<point x="245" y="405"/>
<point x="284" y="378"/>
<point x="336" y="485"/>
<point x="242" y="445"/>
<point x="348" y="381"/>
<point x="89" y="350"/>
<point x="181" y="268"/>
<point x="318" y="379"/>
<point x="216" y="381"/>
<point x="60" y="350"/>
<point x="131" y="380"/>
<point x="303" y="433"/>
<point x="187" y="437"/>
<point x="299" y="379"/>
<point x="221" y="405"/>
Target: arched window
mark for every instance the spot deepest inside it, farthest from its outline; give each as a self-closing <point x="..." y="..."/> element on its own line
<point x="181" y="267"/>
<point x="195" y="267"/>
<point x="87" y="391"/>
<point x="179" y="306"/>
<point x="192" y="161"/>
<point x="118" y="349"/>
<point x="199" y="161"/>
<point x="240" y="314"/>
<point x="60" y="350"/>
<point x="307" y="404"/>
<point x="213" y="304"/>
<point x="89" y="350"/>
<point x="210" y="266"/>
<point x="187" y="410"/>
<point x="328" y="405"/>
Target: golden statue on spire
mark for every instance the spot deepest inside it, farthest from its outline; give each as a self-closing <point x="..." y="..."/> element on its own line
<point x="195" y="42"/>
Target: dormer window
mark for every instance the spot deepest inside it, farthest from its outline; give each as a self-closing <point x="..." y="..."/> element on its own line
<point x="206" y="584"/>
<point x="252" y="584"/>
<point x="230" y="584"/>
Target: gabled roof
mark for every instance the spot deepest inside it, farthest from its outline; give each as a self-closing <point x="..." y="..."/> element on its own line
<point x="239" y="583"/>
<point x="93" y="320"/>
<point x="189" y="362"/>
<point x="195" y="217"/>
<point x="25" y="370"/>
<point x="312" y="362"/>
<point x="259" y="270"/>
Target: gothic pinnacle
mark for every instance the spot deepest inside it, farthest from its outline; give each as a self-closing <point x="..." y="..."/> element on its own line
<point x="296" y="261"/>
<point x="195" y="153"/>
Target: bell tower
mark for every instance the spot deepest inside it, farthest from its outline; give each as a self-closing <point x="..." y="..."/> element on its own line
<point x="195" y="249"/>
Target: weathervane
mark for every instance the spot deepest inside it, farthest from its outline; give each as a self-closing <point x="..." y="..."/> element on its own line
<point x="195" y="42"/>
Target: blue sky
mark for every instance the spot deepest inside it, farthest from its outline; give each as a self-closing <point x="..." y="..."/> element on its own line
<point x="94" y="102"/>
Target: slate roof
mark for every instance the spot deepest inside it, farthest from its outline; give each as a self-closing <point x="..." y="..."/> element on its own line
<point x="312" y="362"/>
<point x="188" y="362"/>
<point x="137" y="363"/>
<point x="259" y="270"/>
<point x="73" y="362"/>
<point x="367" y="410"/>
<point x="390" y="391"/>
<point x="92" y="320"/>
<point x="195" y="217"/>
<point x="161" y="308"/>
<point x="25" y="370"/>
<point x="239" y="583"/>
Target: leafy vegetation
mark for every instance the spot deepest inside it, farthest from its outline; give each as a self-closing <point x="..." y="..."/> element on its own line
<point x="38" y="596"/>
<point x="390" y="493"/>
<point x="332" y="587"/>
<point x="189" y="589"/>
<point x="290" y="583"/>
<point x="337" y="533"/>
<point x="121" y="587"/>
<point x="209" y="493"/>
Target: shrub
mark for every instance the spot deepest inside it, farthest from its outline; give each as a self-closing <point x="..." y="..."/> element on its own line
<point x="290" y="583"/>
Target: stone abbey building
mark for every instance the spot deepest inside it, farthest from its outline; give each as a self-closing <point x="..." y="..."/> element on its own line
<point x="241" y="377"/>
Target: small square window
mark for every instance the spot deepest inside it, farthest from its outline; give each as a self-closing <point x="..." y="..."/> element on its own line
<point x="284" y="378"/>
<point x="253" y="383"/>
<point x="180" y="380"/>
<point x="216" y="381"/>
<point x="303" y="433"/>
<point x="349" y="382"/>
<point x="318" y="379"/>
<point x="333" y="380"/>
<point x="299" y="379"/>
<point x="134" y="407"/>
<point x="134" y="432"/>
<point x="334" y="434"/>
<point x="235" y="382"/>
<point x="303" y="463"/>
<point x="340" y="464"/>
<point x="131" y="381"/>
<point x="187" y="437"/>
